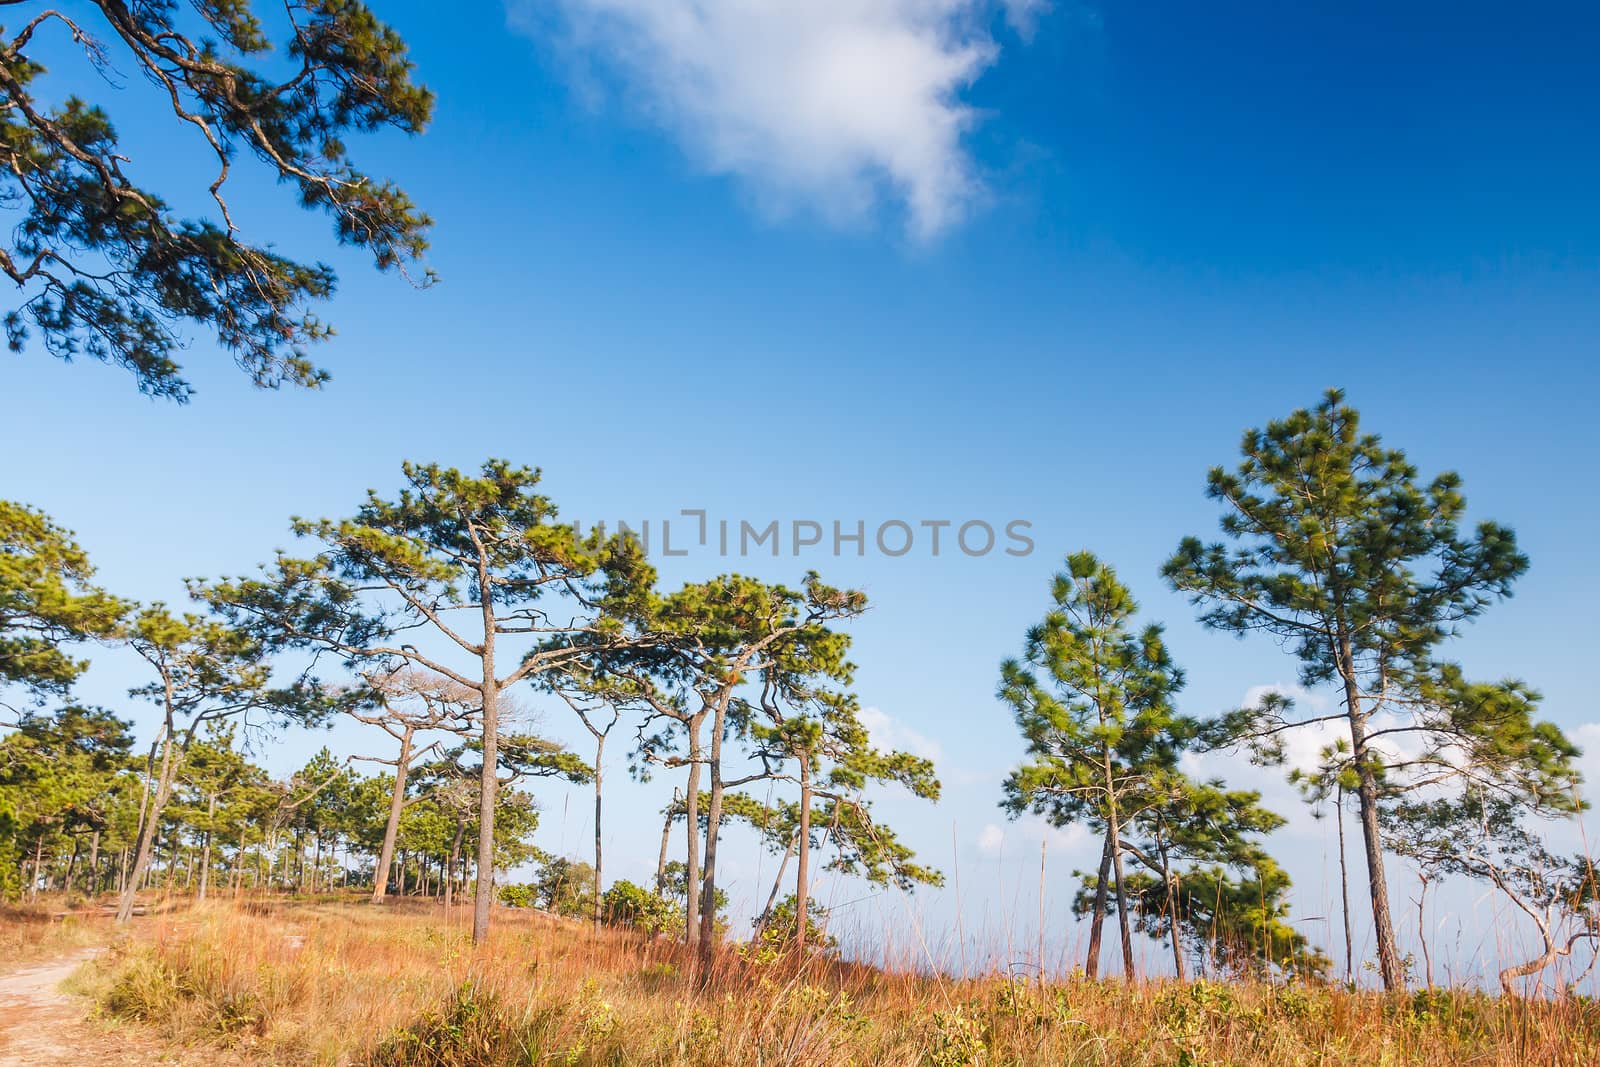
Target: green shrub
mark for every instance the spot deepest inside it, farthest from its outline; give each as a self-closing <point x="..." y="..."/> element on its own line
<point x="626" y="904"/>
<point x="516" y="896"/>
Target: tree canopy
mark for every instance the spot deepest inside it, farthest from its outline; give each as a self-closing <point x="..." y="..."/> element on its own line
<point x="109" y="269"/>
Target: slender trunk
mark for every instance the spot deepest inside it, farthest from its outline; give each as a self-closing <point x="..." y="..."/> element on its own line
<point x="391" y="828"/>
<point x="802" y="888"/>
<point x="146" y="784"/>
<point x="145" y="844"/>
<point x="205" y="850"/>
<point x="1114" y="834"/>
<point x="72" y="863"/>
<point x="777" y="887"/>
<point x="489" y="785"/>
<point x="1170" y="880"/>
<point x="599" y="754"/>
<point x="1122" y="900"/>
<point x="708" y="880"/>
<point x="1344" y="895"/>
<point x="94" y="863"/>
<point x="1422" y="934"/>
<point x="38" y="866"/>
<point x="661" y="861"/>
<point x="1367" y="796"/>
<point x="691" y="874"/>
<point x="455" y="860"/>
<point x="1091" y="966"/>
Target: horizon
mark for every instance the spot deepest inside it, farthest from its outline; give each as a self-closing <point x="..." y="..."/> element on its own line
<point x="1075" y="253"/>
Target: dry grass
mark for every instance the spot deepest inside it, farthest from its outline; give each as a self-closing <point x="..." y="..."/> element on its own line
<point x="402" y="987"/>
<point x="30" y="932"/>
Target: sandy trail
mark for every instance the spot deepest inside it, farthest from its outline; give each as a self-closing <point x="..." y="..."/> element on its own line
<point x="40" y="1026"/>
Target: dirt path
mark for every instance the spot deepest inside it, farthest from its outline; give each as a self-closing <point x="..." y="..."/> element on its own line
<point x="40" y="1026"/>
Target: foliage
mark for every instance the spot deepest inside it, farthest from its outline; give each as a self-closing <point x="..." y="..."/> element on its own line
<point x="779" y="927"/>
<point x="47" y="602"/>
<point x="1338" y="550"/>
<point x="518" y="895"/>
<point x="566" y="887"/>
<point x="626" y="904"/>
<point x="449" y="547"/>
<point x="107" y="269"/>
<point x="1482" y="835"/>
<point x="62" y="776"/>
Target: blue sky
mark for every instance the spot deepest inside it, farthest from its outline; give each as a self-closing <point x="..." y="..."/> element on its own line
<point x="895" y="260"/>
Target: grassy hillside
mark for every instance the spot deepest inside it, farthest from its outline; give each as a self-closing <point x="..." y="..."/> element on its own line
<point x="402" y="987"/>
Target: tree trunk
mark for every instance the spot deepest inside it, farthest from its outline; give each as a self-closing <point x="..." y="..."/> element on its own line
<point x="1091" y="966"/>
<point x="205" y="851"/>
<point x="1171" y="882"/>
<point x="1122" y="902"/>
<point x="489" y="786"/>
<point x="72" y="863"/>
<point x="708" y="880"/>
<point x="599" y="754"/>
<point x="1344" y="896"/>
<point x="1367" y="796"/>
<point x="38" y="866"/>
<point x="1422" y="934"/>
<point x="802" y="888"/>
<point x="691" y="874"/>
<point x="1114" y="833"/>
<point x="661" y="861"/>
<point x="391" y="828"/>
<point x="94" y="863"/>
<point x="145" y="844"/>
<point x="455" y="860"/>
<point x="777" y="887"/>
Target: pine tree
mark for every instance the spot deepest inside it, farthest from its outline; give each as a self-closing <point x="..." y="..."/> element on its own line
<point x="204" y="672"/>
<point x="1092" y="696"/>
<point x="478" y="562"/>
<point x="61" y="779"/>
<point x="810" y="724"/>
<point x="408" y="702"/>
<point x="104" y="266"/>
<point x="710" y="643"/>
<point x="47" y="601"/>
<point x="1337" y="549"/>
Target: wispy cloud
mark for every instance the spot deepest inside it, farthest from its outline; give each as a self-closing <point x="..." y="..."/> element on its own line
<point x="827" y="105"/>
<point x="1026" y="834"/>
<point x="890" y="734"/>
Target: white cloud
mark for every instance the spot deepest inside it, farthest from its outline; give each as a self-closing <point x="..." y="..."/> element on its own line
<point x="888" y="734"/>
<point x="1027" y="834"/>
<point x="831" y="105"/>
<point x="1024" y="15"/>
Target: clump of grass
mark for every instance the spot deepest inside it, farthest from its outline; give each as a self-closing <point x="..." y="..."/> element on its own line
<point x="471" y="1030"/>
<point x="348" y="984"/>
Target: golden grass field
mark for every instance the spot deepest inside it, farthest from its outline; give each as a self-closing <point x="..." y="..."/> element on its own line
<point x="401" y="986"/>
